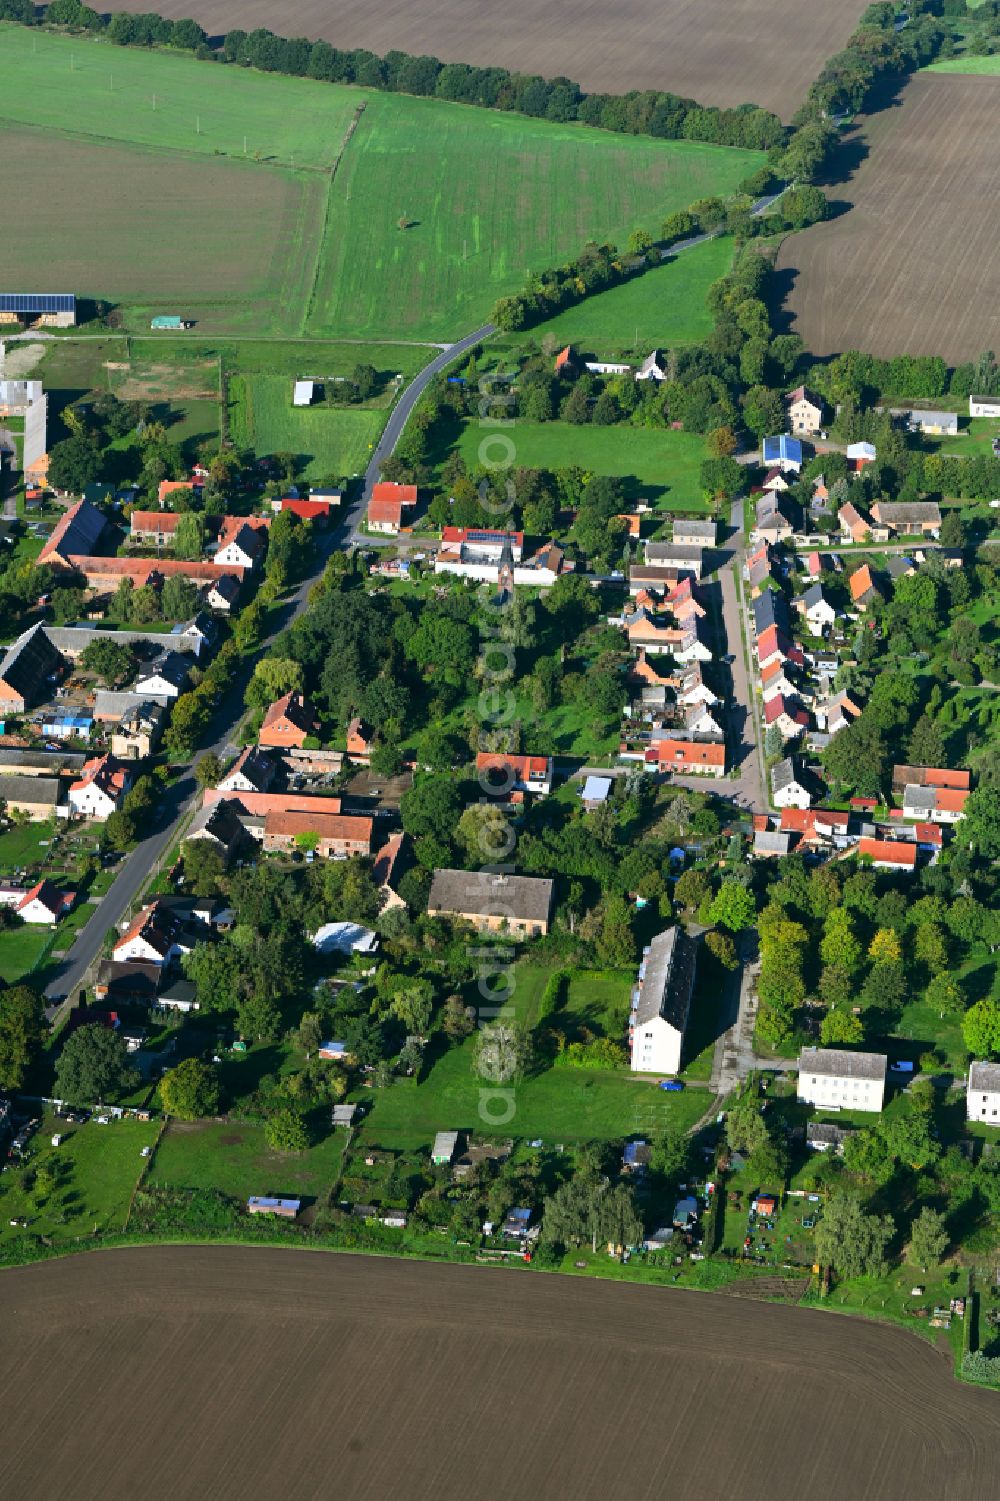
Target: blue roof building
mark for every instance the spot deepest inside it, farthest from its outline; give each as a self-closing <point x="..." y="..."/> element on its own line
<point x="783" y="453"/>
<point x="58" y="308"/>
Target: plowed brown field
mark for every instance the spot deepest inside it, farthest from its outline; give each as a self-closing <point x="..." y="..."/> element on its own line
<point x="236" y="1374"/>
<point x="912" y="267"/>
<point x="723" y="52"/>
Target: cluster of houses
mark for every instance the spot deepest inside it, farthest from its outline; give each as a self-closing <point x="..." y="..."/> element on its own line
<point x="930" y="800"/>
<point x="672" y="721"/>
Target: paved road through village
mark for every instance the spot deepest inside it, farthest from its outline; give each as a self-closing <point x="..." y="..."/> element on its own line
<point x="180" y="801"/>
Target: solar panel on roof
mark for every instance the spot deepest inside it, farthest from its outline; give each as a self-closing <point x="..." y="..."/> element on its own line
<point x="37" y="302"/>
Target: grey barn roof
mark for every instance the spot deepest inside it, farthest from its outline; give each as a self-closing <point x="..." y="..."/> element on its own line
<point x="108" y="705"/>
<point x="29" y="662"/>
<point x="483" y="893"/>
<point x="770" y="609"/>
<point x="31" y="790"/>
<point x="668" y="979"/>
<point x="74" y="639"/>
<point x="840" y="1063"/>
<point x="984" y="1077"/>
<point x="12" y="759"/>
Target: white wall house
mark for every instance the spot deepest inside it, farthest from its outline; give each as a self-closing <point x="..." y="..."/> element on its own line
<point x="984" y="406"/>
<point x="787" y="790"/>
<point x="982" y="1093"/>
<point x="661" y="1002"/>
<point x="835" y="1079"/>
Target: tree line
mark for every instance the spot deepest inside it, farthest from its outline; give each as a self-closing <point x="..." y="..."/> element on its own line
<point x="649" y="112"/>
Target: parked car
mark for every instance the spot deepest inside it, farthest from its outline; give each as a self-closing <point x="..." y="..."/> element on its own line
<point x="672" y="1086"/>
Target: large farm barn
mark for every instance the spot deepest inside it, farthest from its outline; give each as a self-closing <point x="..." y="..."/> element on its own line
<point x="725" y="52"/>
<point x="910" y="266"/>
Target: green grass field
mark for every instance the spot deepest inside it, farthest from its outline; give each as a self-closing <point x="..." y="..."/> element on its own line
<point x="557" y="1103"/>
<point x="80" y="86"/>
<point x="655" y="464"/>
<point x="981" y="66"/>
<point x="329" y="442"/>
<point x="493" y="197"/>
<point x="661" y="308"/>
<point x="266" y="240"/>
<point x="235" y="1159"/>
<point x="95" y="1168"/>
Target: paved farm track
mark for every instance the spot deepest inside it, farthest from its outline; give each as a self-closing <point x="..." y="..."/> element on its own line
<point x="230" y="1372"/>
<point x="912" y="267"/>
<point x="723" y="52"/>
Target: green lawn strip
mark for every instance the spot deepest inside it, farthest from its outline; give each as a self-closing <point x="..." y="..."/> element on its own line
<point x="96" y="1169"/>
<point x="235" y="1159"/>
<point x="662" y="308"/>
<point x="979" y="66"/>
<point x="655" y="464"/>
<point x="89" y="87"/>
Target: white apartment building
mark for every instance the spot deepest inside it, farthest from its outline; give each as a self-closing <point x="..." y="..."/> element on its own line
<point x="835" y="1079"/>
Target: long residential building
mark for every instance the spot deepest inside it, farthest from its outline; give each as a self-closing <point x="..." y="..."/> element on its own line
<point x="836" y="1079"/>
<point x="661" y="1002"/>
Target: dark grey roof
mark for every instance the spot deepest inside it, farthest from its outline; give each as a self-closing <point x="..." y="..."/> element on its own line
<point x="30" y="790"/>
<point x="171" y="666"/>
<point x="109" y="705"/>
<point x="80" y="532"/>
<point x="667" y="979"/>
<point x="770" y="609"/>
<point x="813" y="596"/>
<point x="29" y="662"/>
<point x="842" y="1064"/>
<point x="984" y="1076"/>
<point x="133" y="976"/>
<point x="482" y="893"/>
<point x="900" y="512"/>
<point x="74" y="639"/>
<point x="828" y="1133"/>
<point x="12" y="759"/>
<point x="783" y="774"/>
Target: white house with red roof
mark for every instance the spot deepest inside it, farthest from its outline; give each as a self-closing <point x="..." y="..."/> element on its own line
<point x="100" y="789"/>
<point x="499" y="773"/>
<point x="43" y="903"/>
<point x="390" y="507"/>
<point x="151" y="936"/>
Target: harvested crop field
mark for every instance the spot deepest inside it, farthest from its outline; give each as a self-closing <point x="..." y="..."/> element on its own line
<point x="724" y="52"/>
<point x="214" y="229"/>
<point x="912" y="267"/>
<point x="233" y="1372"/>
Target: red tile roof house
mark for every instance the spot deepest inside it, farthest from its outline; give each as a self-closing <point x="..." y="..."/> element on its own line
<point x="862" y="587"/>
<point x="43" y="903"/>
<point x="789" y="718"/>
<point x="773" y="679"/>
<point x="689" y="757"/>
<point x="288" y="723"/>
<point x="171" y="486"/>
<point x="152" y="937"/>
<point x="154" y="527"/>
<point x="514" y="774"/>
<point x="888" y="854"/>
<point x="773" y="645"/>
<point x="930" y="776"/>
<point x="260" y="804"/>
<point x="242" y="541"/>
<point x="360" y="740"/>
<point x="388" y="506"/>
<point x="317" y="511"/>
<point x="336" y="834"/>
<point x="107" y="573"/>
<point x="100" y="789"/>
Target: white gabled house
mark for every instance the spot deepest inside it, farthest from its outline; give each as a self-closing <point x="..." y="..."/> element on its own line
<point x="786" y="789"/>
<point x="982" y="1093"/>
<point x="100" y="789"/>
<point x="835" y="1079"/>
<point x="661" y="1002"/>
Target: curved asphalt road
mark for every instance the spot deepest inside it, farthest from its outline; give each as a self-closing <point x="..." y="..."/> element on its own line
<point x="182" y="799"/>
